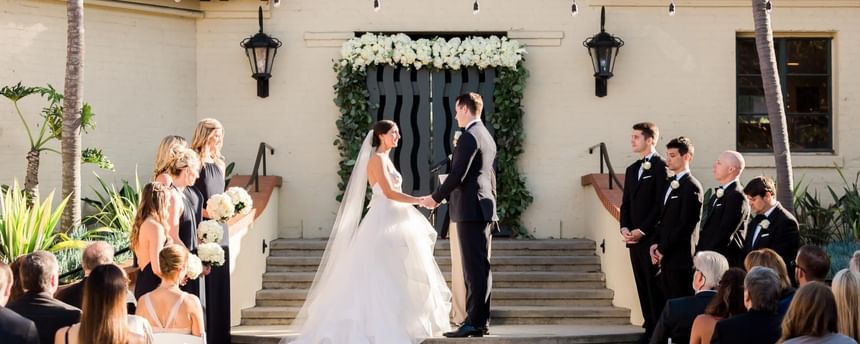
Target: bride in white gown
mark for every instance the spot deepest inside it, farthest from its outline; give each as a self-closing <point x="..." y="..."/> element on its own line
<point x="378" y="281"/>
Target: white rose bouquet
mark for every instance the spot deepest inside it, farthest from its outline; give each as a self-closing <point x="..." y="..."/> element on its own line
<point x="220" y="207"/>
<point x="210" y="231"/>
<point x="242" y="202"/>
<point x="211" y="253"/>
<point x="193" y="267"/>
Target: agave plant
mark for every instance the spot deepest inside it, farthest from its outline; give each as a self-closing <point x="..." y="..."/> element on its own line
<point x="115" y="207"/>
<point x="24" y="229"/>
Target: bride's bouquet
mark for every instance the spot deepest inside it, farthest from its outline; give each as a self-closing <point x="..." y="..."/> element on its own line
<point x="220" y="207"/>
<point x="242" y="202"/>
<point x="210" y="231"/>
<point x="193" y="267"/>
<point x="211" y="253"/>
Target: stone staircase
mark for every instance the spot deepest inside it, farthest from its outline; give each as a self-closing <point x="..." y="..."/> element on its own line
<point x="535" y="282"/>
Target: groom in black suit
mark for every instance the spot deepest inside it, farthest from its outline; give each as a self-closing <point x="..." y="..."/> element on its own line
<point x="471" y="192"/>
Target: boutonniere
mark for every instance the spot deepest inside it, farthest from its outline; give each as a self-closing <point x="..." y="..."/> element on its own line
<point x="674" y="184"/>
<point x="764" y="224"/>
<point x="646" y="165"/>
<point x="669" y="174"/>
<point x="456" y="137"/>
<point x="720" y="192"/>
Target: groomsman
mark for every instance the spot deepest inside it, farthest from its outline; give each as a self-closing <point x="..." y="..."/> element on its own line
<point x="644" y="186"/>
<point x="682" y="207"/>
<point x="773" y="227"/>
<point x="724" y="224"/>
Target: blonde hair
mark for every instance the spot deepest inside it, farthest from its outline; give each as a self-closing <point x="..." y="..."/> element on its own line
<point x="846" y="289"/>
<point x="202" y="134"/>
<point x="167" y="150"/>
<point x="182" y="159"/>
<point x="769" y="259"/>
<point x="172" y="258"/>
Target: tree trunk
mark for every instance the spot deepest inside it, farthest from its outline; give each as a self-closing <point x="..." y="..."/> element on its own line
<point x="775" y="108"/>
<point x="31" y="181"/>
<point x="72" y="104"/>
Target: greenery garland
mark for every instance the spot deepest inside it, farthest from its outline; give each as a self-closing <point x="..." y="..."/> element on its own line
<point x="351" y="97"/>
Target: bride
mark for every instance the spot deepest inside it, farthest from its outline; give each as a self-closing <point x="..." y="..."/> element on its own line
<point x="378" y="281"/>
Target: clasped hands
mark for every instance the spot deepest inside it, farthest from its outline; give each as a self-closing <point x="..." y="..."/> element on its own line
<point x="427" y="202"/>
<point x="633" y="237"/>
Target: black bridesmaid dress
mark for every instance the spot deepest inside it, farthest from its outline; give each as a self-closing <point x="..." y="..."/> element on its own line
<point x="146" y="281"/>
<point x="209" y="183"/>
<point x="188" y="221"/>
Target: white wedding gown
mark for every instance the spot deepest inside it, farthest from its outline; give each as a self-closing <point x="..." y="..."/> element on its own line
<point x="381" y="287"/>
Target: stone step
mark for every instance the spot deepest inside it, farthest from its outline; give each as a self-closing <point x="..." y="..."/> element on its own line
<point x="501" y="315"/>
<point x="575" y="280"/>
<point x="500" y="263"/>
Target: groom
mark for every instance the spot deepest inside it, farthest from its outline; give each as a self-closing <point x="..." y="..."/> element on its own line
<point x="471" y="192"/>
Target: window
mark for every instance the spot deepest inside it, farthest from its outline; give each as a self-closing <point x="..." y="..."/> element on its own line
<point x="805" y="77"/>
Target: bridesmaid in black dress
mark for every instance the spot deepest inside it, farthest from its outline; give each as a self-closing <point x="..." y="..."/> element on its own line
<point x="207" y="143"/>
<point x="186" y="202"/>
<point x="149" y="235"/>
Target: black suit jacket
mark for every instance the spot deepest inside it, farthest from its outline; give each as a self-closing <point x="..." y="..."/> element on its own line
<point x="781" y="235"/>
<point x="676" y="321"/>
<point x="15" y="329"/>
<point x="48" y="313"/>
<point x="754" y="328"/>
<point x="640" y="203"/>
<point x="723" y="228"/>
<point x="678" y="221"/>
<point x="471" y="186"/>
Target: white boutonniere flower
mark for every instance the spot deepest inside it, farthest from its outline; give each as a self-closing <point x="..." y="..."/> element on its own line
<point x="457" y="137"/>
<point x="674" y="184"/>
<point x="764" y="224"/>
<point x="646" y="165"/>
<point x="720" y="193"/>
<point x="670" y="173"/>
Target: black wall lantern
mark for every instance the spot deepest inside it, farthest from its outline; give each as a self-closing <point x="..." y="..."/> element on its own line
<point x="603" y="49"/>
<point x="261" y="49"/>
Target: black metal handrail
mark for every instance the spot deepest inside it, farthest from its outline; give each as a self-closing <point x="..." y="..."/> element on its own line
<point x="261" y="157"/>
<point x="81" y="268"/>
<point x="604" y="160"/>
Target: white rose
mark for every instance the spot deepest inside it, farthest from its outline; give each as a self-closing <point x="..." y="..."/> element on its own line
<point x="211" y="253"/>
<point x="193" y="267"/>
<point x="764" y="224"/>
<point x="209" y="231"/>
<point x="646" y="165"/>
<point x="675" y="184"/>
<point x="720" y="192"/>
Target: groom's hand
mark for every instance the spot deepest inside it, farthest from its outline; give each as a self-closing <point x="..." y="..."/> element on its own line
<point x="428" y="202"/>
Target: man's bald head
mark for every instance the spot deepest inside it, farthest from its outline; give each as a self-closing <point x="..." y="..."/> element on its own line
<point x="95" y="254"/>
<point x="728" y="166"/>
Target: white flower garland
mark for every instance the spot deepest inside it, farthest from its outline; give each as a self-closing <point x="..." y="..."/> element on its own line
<point x="400" y="49"/>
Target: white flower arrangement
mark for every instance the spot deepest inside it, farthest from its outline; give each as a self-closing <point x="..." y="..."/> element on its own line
<point x="674" y="184"/>
<point x="193" y="267"/>
<point x="220" y="207"/>
<point x="210" y="231"/>
<point x="211" y="253"/>
<point x="720" y="192"/>
<point x="242" y="201"/>
<point x="646" y="165"/>
<point x="764" y="223"/>
<point x="400" y="49"/>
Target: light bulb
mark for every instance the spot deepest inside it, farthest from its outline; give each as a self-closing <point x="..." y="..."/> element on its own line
<point x="476" y="8"/>
<point x="768" y="6"/>
<point x="574" y="10"/>
<point x="672" y="8"/>
<point x="376" y="5"/>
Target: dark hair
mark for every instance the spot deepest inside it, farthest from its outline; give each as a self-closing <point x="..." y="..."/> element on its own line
<point x="17" y="288"/>
<point x="381" y="128"/>
<point x="760" y="185"/>
<point x="104" y="317"/>
<point x="769" y="258"/>
<point x="729" y="300"/>
<point x="648" y="129"/>
<point x="812" y="313"/>
<point x="153" y="203"/>
<point x="37" y="269"/>
<point x="682" y="144"/>
<point x="814" y="262"/>
<point x="471" y="101"/>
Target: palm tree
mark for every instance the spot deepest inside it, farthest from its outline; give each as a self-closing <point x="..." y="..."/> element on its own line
<point x="773" y="98"/>
<point x="72" y="103"/>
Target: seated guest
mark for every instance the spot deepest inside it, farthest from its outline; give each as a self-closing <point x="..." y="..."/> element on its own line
<point x="95" y="254"/>
<point x="105" y="319"/>
<point x="770" y="259"/>
<point x="811" y="318"/>
<point x="846" y="290"/>
<point x="811" y="264"/>
<point x="728" y="302"/>
<point x="13" y="327"/>
<point x="168" y="308"/>
<point x="773" y="226"/>
<point x="677" y="318"/>
<point x="39" y="276"/>
<point x="17" y="289"/>
<point x="761" y="323"/>
<point x="855" y="263"/>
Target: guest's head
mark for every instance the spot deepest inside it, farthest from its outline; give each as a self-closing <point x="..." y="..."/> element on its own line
<point x="761" y="290"/>
<point x="40" y="272"/>
<point x="95" y="254"/>
<point x="729" y="300"/>
<point x="385" y="134"/>
<point x="679" y="153"/>
<point x="812" y="312"/>
<point x="167" y="150"/>
<point x="184" y="168"/>
<point x="811" y="264"/>
<point x="855" y="263"/>
<point x="761" y="192"/>
<point x="709" y="268"/>
<point x="172" y="260"/>
<point x="208" y="139"/>
<point x="153" y="203"/>
<point x="104" y="306"/>
<point x="17" y="288"/>
<point x="644" y="138"/>
<point x="469" y="107"/>
<point x="846" y="291"/>
<point x="728" y="166"/>
<point x="770" y="259"/>
<point x="6" y="282"/>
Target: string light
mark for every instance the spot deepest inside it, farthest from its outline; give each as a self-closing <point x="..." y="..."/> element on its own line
<point x="768" y="6"/>
<point x="376" y="5"/>
<point x="574" y="10"/>
<point x="672" y="8"/>
<point x="476" y="8"/>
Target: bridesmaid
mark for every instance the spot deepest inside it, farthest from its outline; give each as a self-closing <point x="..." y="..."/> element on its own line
<point x="207" y="142"/>
<point x="149" y="236"/>
<point x="183" y="171"/>
<point x="166" y="154"/>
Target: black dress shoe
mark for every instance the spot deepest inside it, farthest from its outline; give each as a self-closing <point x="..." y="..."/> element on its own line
<point x="466" y="331"/>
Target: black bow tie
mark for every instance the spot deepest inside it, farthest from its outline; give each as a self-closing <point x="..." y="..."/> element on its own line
<point x="758" y="218"/>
